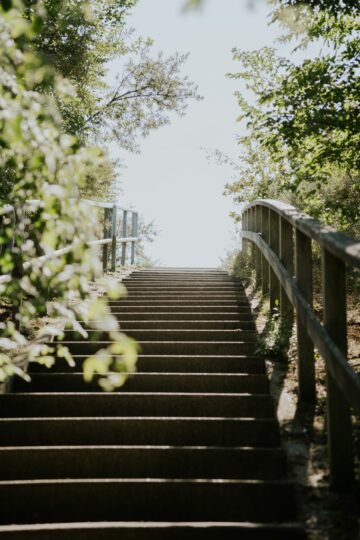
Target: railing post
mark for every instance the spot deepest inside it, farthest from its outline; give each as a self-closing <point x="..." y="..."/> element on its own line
<point x="252" y="228"/>
<point x="124" y="235"/>
<point x="274" y="227"/>
<point x="265" y="267"/>
<point x="243" y="228"/>
<point x="248" y="228"/>
<point x="258" y="257"/>
<point x="134" y="233"/>
<point x="106" y="235"/>
<point x="305" y="347"/>
<point x="339" y="428"/>
<point x="113" y="238"/>
<point x="286" y="252"/>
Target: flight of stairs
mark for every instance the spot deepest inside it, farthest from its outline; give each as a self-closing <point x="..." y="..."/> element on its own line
<point x="189" y="448"/>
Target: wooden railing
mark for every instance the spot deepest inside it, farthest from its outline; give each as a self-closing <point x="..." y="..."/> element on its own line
<point x="110" y="235"/>
<point x="280" y="239"/>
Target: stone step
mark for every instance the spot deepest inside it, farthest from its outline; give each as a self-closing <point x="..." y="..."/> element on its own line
<point x="184" y="286"/>
<point x="146" y="499"/>
<point x="174" y="363"/>
<point x="208" y="530"/>
<point x="179" y="270"/>
<point x="187" y="279"/>
<point x="174" y="276"/>
<point x="148" y="382"/>
<point x="136" y="404"/>
<point x="177" y="296"/>
<point x="180" y="282"/>
<point x="49" y="462"/>
<point x="169" y="335"/>
<point x="187" y="325"/>
<point x="168" y="316"/>
<point x="160" y="308"/>
<point x="164" y="430"/>
<point x="170" y="347"/>
<point x="179" y="302"/>
<point x="172" y="284"/>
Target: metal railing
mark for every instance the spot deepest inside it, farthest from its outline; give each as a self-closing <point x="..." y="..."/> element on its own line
<point x="280" y="241"/>
<point x="110" y="235"/>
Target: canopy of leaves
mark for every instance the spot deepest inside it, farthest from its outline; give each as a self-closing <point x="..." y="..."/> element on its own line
<point x="303" y="119"/>
<point x="48" y="166"/>
<point x="80" y="38"/>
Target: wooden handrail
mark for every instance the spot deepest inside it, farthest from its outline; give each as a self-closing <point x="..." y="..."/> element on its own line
<point x="281" y="236"/>
<point x="342" y="246"/>
<point x="109" y="235"/>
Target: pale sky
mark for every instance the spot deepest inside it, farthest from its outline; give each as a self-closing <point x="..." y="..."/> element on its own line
<point x="171" y="180"/>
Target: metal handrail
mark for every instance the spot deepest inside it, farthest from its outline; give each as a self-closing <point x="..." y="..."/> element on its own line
<point x="280" y="238"/>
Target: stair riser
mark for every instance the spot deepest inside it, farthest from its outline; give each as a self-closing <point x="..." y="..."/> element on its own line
<point x="166" y="316"/>
<point x="171" y="347"/>
<point x="158" y="382"/>
<point x="146" y="500"/>
<point x="184" y="288"/>
<point x="183" y="297"/>
<point x="178" y="276"/>
<point x="176" y="364"/>
<point x="135" y="462"/>
<point x="192" y="531"/>
<point x="121" y="308"/>
<point x="134" y="431"/>
<point x="186" y="325"/>
<point x="170" y="335"/>
<point x="121" y="404"/>
<point x="179" y="303"/>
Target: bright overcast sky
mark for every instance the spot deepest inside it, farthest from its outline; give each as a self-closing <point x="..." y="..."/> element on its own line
<point x="171" y="180"/>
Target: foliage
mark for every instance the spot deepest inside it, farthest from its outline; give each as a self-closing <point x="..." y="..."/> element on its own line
<point x="144" y="94"/>
<point x="303" y="119"/>
<point x="238" y="264"/>
<point x="102" y="180"/>
<point x="81" y="39"/>
<point x="78" y="38"/>
<point x="147" y="234"/>
<point x="47" y="165"/>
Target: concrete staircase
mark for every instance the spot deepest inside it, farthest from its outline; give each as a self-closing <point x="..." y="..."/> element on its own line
<point x="189" y="448"/>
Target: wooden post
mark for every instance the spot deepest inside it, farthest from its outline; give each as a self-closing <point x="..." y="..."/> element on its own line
<point x="113" y="237"/>
<point x="274" y="227"/>
<point x="265" y="268"/>
<point x="134" y="233"/>
<point x="306" y="361"/>
<point x="257" y="229"/>
<point x="124" y="235"/>
<point x="248" y="228"/>
<point x="106" y="235"/>
<point x="244" y="227"/>
<point x="252" y="228"/>
<point x="286" y="252"/>
<point x="339" y="428"/>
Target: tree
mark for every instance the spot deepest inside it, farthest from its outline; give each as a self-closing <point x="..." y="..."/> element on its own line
<point x="80" y="38"/>
<point x="145" y="92"/>
<point x="50" y="166"/>
<point x="304" y="119"/>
